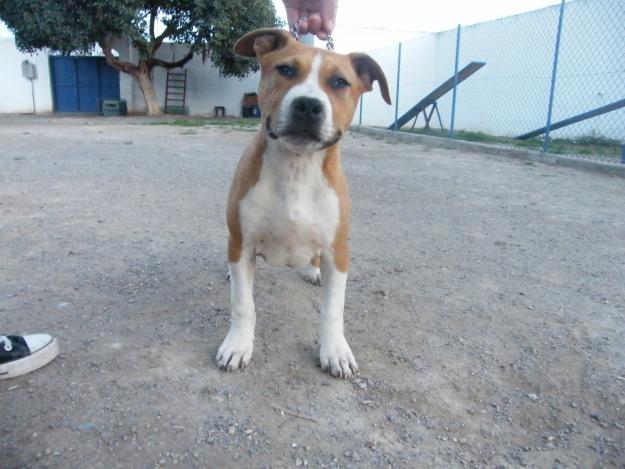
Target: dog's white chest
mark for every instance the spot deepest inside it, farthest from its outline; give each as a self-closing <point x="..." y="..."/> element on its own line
<point x="291" y="214"/>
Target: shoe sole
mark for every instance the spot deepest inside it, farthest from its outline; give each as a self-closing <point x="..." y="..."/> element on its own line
<point x="40" y="358"/>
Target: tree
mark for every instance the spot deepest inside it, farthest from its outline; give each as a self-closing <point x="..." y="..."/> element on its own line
<point x="209" y="27"/>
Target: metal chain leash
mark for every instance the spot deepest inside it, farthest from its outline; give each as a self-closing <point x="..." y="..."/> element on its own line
<point x="296" y="33"/>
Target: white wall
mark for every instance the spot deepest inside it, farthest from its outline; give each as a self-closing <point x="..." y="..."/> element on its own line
<point x="509" y="95"/>
<point x="15" y="90"/>
<point x="205" y="87"/>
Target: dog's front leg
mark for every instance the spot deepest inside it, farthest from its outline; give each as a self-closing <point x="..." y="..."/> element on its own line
<point x="236" y="349"/>
<point x="335" y="354"/>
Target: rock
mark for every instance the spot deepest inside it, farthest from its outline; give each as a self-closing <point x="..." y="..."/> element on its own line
<point x="532" y="397"/>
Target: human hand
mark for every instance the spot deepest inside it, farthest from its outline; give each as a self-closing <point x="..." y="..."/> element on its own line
<point x="319" y="16"/>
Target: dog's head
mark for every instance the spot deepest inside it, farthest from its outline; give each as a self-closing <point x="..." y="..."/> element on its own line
<point x="307" y="95"/>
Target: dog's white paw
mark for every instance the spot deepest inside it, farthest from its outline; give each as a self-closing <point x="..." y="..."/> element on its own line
<point x="336" y="357"/>
<point x="236" y="350"/>
<point x="311" y="274"/>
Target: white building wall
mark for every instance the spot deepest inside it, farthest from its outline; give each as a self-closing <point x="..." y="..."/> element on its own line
<point x="205" y="87"/>
<point x="15" y="90"/>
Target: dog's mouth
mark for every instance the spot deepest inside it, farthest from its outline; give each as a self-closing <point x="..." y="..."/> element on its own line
<point x="302" y="137"/>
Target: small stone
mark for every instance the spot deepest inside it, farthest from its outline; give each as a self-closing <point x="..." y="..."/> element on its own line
<point x="298" y="462"/>
<point x="362" y="384"/>
<point x="595" y="416"/>
<point x="325" y="382"/>
<point x="532" y="397"/>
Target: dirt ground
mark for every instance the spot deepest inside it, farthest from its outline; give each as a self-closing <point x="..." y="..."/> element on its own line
<point x="485" y="306"/>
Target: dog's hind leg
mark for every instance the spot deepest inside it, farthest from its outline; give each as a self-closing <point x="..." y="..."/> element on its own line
<point x="312" y="273"/>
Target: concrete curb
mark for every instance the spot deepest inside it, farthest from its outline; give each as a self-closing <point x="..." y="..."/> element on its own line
<point x="497" y="150"/>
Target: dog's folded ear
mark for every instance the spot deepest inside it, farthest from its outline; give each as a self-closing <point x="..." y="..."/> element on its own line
<point x="369" y="71"/>
<point x="262" y="41"/>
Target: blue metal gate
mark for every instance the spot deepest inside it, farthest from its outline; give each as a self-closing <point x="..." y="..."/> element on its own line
<point x="79" y="84"/>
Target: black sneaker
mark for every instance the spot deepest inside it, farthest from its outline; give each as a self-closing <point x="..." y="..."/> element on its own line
<point x="22" y="354"/>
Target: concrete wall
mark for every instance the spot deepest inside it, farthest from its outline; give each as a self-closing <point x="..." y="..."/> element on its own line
<point x="509" y="96"/>
<point x="205" y="87"/>
<point x="15" y="90"/>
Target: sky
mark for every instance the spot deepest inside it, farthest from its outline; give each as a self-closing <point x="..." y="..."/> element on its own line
<point x="364" y="25"/>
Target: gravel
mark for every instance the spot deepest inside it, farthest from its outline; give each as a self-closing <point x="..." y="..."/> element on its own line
<point x="485" y="307"/>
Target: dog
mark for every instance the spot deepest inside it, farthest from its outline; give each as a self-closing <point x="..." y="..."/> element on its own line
<point x="289" y="201"/>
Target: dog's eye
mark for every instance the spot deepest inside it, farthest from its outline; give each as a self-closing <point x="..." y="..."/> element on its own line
<point x="286" y="71"/>
<point x="339" y="82"/>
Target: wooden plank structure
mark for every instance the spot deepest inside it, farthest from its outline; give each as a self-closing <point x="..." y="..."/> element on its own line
<point x="573" y="120"/>
<point x="433" y="97"/>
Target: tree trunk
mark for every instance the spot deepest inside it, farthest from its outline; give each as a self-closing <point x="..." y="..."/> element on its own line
<point x="142" y="75"/>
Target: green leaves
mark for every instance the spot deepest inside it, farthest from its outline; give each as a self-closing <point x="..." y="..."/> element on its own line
<point x="210" y="27"/>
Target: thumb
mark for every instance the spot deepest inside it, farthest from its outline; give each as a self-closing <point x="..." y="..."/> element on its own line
<point x="292" y="15"/>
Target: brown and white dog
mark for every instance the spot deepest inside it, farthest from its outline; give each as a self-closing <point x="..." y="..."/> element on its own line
<point x="289" y="202"/>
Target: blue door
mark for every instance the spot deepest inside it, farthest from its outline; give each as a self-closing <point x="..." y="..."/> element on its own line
<point x="80" y="83"/>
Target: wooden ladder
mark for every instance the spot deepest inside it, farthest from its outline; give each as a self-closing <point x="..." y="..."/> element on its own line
<point x="176" y="91"/>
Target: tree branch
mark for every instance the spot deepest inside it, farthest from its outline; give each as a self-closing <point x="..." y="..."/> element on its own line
<point x="113" y="61"/>
<point x="156" y="42"/>
<point x="179" y="63"/>
<point x="153" y="15"/>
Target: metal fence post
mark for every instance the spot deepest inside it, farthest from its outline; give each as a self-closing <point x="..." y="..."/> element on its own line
<point x="360" y="113"/>
<point x="453" y="99"/>
<point x="554" y="73"/>
<point x="397" y="91"/>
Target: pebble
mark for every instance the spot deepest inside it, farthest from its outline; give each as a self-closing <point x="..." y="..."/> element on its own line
<point x="532" y="397"/>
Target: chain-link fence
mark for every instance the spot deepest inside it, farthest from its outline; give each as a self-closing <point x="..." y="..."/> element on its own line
<point x="551" y="79"/>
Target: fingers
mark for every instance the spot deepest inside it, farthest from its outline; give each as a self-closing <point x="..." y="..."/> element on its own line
<point x="316" y="17"/>
<point x="328" y="15"/>
<point x="314" y="23"/>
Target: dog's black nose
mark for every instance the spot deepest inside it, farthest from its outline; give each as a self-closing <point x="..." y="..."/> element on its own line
<point x="309" y="110"/>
